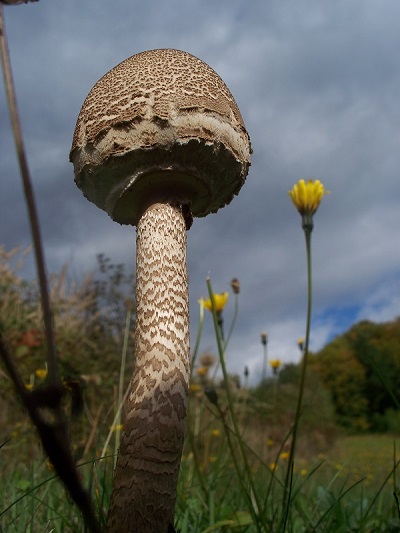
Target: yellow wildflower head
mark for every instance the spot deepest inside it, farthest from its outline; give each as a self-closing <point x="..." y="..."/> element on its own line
<point x="41" y="373"/>
<point x="300" y="343"/>
<point x="215" y="432"/>
<point x="202" y="371"/>
<point x="306" y="196"/>
<point x="220" y="302"/>
<point x="275" y="363"/>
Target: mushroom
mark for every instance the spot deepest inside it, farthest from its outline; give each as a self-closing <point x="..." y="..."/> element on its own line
<point x="159" y="138"/>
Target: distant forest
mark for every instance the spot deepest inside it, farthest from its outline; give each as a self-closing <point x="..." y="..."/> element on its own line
<point x="361" y="370"/>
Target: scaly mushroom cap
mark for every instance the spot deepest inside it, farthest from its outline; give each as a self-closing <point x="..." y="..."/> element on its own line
<point x="160" y="126"/>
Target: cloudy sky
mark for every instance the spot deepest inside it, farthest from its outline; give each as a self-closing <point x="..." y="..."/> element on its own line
<point x="317" y="83"/>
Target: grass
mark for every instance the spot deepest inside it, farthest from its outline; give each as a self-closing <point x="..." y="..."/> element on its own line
<point x="332" y="491"/>
<point x="33" y="499"/>
<point x="364" y="456"/>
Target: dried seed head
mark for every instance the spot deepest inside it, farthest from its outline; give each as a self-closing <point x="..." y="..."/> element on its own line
<point x="207" y="359"/>
<point x="235" y="285"/>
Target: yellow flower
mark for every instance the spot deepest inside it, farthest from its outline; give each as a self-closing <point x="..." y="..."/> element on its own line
<point x="219" y="299"/>
<point x="307" y="195"/>
<point x="41" y="373"/>
<point x="116" y="427"/>
<point x="202" y="371"/>
<point x="275" y="363"/>
<point x="272" y="467"/>
<point x="215" y="432"/>
<point x="303" y="472"/>
<point x="300" y="343"/>
<point x="284" y="456"/>
<point x="195" y="387"/>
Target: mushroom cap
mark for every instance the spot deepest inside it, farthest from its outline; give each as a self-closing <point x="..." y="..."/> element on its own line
<point x="160" y="126"/>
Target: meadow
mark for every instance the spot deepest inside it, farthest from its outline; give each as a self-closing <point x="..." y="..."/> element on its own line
<point x="346" y="486"/>
<point x="236" y="459"/>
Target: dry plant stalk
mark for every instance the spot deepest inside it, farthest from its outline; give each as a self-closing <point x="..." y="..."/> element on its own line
<point x="52" y="430"/>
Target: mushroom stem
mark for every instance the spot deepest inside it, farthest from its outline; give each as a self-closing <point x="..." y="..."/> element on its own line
<point x="148" y="462"/>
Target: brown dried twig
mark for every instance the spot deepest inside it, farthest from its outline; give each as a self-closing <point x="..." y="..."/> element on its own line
<point x="43" y="406"/>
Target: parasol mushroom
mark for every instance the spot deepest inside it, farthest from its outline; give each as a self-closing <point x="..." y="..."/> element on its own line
<point x="159" y="138"/>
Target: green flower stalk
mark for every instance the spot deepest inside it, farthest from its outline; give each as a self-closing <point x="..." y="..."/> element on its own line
<point x="244" y="474"/>
<point x="199" y="332"/>
<point x="306" y="196"/>
<point x="235" y="285"/>
<point x="121" y="378"/>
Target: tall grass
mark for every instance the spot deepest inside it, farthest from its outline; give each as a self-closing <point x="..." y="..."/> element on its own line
<point x="222" y="488"/>
<point x="232" y="475"/>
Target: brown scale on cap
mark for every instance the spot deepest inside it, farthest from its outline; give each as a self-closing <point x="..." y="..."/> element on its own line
<point x="161" y="125"/>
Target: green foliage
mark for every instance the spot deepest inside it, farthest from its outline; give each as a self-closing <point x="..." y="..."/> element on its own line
<point x="276" y="406"/>
<point x="89" y="318"/>
<point x="361" y="369"/>
<point x="377" y="346"/>
<point x="33" y="498"/>
<point x="344" y="376"/>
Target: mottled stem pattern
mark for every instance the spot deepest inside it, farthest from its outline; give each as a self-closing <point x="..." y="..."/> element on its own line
<point x="148" y="462"/>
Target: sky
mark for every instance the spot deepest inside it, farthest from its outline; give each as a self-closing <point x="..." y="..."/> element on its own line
<point x="317" y="83"/>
